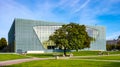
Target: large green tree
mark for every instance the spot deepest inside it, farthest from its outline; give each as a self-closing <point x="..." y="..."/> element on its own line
<point x="3" y="43"/>
<point x="71" y="36"/>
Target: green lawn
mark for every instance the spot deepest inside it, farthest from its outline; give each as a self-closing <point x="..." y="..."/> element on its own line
<point x="114" y="52"/>
<point x="90" y="53"/>
<point x="108" y="58"/>
<point x="4" y="57"/>
<point x="80" y="53"/>
<point x="73" y="62"/>
<point x="67" y="63"/>
<point x="99" y="57"/>
<point x="85" y="53"/>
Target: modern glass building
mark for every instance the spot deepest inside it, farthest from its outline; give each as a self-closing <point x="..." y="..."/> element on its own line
<point x="32" y="36"/>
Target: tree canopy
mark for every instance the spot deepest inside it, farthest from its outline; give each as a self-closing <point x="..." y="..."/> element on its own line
<point x="3" y="43"/>
<point x="71" y="36"/>
<point x="118" y="44"/>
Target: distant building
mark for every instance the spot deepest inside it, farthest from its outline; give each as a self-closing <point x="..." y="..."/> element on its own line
<point x="113" y="42"/>
<point x="32" y="36"/>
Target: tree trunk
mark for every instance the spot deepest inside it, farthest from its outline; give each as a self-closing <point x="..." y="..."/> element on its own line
<point x="76" y="50"/>
<point x="65" y="51"/>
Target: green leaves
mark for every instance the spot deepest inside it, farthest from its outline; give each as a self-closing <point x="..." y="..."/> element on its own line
<point x="3" y="43"/>
<point x="71" y="36"/>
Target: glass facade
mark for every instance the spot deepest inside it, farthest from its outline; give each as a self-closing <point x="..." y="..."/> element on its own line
<point x="31" y="35"/>
<point x="98" y="33"/>
<point x="43" y="33"/>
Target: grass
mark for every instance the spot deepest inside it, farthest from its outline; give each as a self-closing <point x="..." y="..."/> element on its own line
<point x="108" y="58"/>
<point x="66" y="63"/>
<point x="114" y="52"/>
<point x="91" y="53"/>
<point x="99" y="57"/>
<point x="73" y="62"/>
<point x="80" y="53"/>
<point x="85" y="53"/>
<point x="4" y="57"/>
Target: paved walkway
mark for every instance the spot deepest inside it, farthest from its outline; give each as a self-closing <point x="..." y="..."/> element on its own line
<point x="17" y="61"/>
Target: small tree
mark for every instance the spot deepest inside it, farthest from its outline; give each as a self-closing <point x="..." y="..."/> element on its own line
<point x="3" y="43"/>
<point x="118" y="45"/>
<point x="71" y="36"/>
<point x="110" y="47"/>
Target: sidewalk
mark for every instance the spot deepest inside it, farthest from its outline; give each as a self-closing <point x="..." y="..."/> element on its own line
<point x="17" y="61"/>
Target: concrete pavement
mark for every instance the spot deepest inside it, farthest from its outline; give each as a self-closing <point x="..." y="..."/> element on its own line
<point x="17" y="61"/>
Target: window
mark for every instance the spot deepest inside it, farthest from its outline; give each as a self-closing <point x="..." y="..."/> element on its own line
<point x="50" y="47"/>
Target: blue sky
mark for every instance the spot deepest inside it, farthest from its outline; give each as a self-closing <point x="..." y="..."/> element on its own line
<point x="89" y="12"/>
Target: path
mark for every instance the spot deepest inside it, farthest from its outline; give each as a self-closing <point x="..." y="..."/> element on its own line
<point x="17" y="61"/>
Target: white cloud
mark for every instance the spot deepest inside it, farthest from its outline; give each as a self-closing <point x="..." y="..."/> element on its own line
<point x="112" y="36"/>
<point x="90" y="10"/>
<point x="82" y="6"/>
<point x="10" y="9"/>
